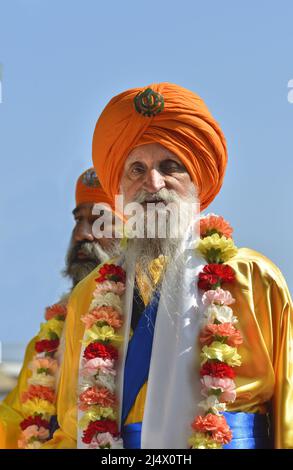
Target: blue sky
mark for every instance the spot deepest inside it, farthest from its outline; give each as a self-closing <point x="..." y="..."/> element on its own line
<point x="63" y="60"/>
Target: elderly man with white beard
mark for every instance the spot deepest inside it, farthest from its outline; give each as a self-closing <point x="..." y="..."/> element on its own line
<point x="28" y="413"/>
<point x="179" y="342"/>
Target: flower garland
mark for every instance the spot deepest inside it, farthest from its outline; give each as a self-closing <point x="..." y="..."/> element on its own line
<point x="39" y="400"/>
<point x="219" y="336"/>
<point x="97" y="401"/>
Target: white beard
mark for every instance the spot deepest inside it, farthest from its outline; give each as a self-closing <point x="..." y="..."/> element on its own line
<point x="145" y="249"/>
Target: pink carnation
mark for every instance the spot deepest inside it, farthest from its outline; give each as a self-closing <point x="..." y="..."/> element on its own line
<point x="110" y="286"/>
<point x="217" y="296"/>
<point x="103" y="314"/>
<point x="34" y="431"/>
<point x="227" y="386"/>
<point x="97" y="364"/>
<point x="103" y="439"/>
<point x="222" y="330"/>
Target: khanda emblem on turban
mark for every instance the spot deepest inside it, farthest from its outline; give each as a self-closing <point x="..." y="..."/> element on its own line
<point x="149" y="103"/>
<point x="90" y="179"/>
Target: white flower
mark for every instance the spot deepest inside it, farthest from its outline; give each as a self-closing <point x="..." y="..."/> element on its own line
<point x="117" y="444"/>
<point x="86" y="383"/>
<point x="221" y="313"/>
<point x="42" y="379"/>
<point x="109" y="300"/>
<point x="106" y="380"/>
<point x="212" y="403"/>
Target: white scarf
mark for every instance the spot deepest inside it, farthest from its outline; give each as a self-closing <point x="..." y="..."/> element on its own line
<point x="173" y="390"/>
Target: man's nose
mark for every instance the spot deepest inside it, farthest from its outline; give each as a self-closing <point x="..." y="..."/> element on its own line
<point x="154" y="181"/>
<point x="83" y="233"/>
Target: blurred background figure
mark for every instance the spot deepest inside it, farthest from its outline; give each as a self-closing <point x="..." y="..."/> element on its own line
<point x="83" y="255"/>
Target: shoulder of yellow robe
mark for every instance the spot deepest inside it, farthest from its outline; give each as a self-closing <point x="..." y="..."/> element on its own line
<point x="11" y="408"/>
<point x="248" y="262"/>
<point x="265" y="284"/>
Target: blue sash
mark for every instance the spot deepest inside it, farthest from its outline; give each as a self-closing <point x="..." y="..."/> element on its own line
<point x="138" y="357"/>
<point x="250" y="431"/>
<point x="53" y="426"/>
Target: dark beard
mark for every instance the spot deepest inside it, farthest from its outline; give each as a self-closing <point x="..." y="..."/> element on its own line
<point x="76" y="268"/>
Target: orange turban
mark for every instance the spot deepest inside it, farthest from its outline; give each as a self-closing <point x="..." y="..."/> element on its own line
<point x="167" y="114"/>
<point x="89" y="189"/>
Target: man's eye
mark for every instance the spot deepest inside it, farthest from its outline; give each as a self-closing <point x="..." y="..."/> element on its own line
<point x="170" y="166"/>
<point x="137" y="170"/>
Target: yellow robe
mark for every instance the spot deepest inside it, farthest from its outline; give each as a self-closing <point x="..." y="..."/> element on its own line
<point x="264" y="310"/>
<point x="11" y="408"/>
<point x="11" y="413"/>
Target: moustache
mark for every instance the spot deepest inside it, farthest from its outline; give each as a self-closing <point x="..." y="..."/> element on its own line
<point x="81" y="252"/>
<point x="163" y="195"/>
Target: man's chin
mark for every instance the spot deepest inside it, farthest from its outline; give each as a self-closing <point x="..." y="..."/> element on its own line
<point x="79" y="270"/>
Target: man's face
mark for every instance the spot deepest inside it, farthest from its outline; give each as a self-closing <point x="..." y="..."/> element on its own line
<point x="85" y="252"/>
<point x="82" y="232"/>
<point x="153" y="174"/>
<point x="150" y="168"/>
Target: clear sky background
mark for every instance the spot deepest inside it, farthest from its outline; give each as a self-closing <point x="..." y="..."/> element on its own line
<point x="62" y="62"/>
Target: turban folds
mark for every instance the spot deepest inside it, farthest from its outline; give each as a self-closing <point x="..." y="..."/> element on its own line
<point x="89" y="189"/>
<point x="184" y="126"/>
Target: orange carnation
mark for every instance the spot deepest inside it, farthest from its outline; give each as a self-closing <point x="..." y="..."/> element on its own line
<point x="97" y="396"/>
<point x="103" y="314"/>
<point x="38" y="391"/>
<point x="213" y="331"/>
<point x="55" y="310"/>
<point x="215" y="224"/>
<point x="216" y="426"/>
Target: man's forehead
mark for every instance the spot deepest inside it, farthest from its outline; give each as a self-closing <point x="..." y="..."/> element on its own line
<point x="150" y="152"/>
<point x="84" y="207"/>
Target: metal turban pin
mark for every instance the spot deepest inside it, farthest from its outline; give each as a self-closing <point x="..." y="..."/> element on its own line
<point x="149" y="103"/>
<point x="90" y="179"/>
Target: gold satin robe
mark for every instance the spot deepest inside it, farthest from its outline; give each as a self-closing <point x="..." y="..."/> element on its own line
<point x="11" y="413"/>
<point x="265" y="378"/>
